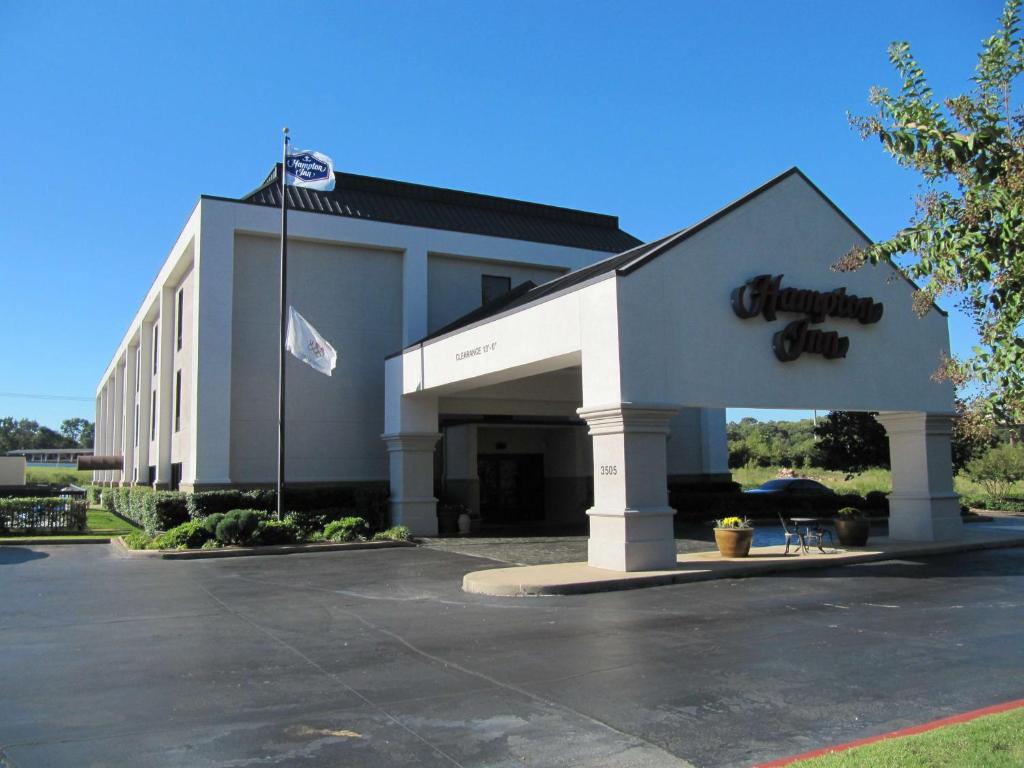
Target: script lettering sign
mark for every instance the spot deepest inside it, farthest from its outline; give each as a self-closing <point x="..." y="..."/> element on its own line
<point x="764" y="295"/>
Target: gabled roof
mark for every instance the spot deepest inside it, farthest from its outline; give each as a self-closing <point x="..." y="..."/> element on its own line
<point x="625" y="263"/>
<point x="399" y="202"/>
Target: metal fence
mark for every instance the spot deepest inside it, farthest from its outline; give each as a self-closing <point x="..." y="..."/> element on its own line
<point x="43" y="514"/>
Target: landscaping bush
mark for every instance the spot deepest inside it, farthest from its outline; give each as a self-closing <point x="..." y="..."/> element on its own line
<point x="137" y="540"/>
<point x="312" y="520"/>
<point x="276" y="532"/>
<point x="238" y="526"/>
<point x="205" y="503"/>
<point x="877" y="500"/>
<point x="189" y="535"/>
<point x="93" y="493"/>
<point x="210" y="522"/>
<point x="346" y="529"/>
<point x="371" y="504"/>
<point x="998" y="469"/>
<point x="397" y="533"/>
<point x="163" y="510"/>
<point x="107" y="499"/>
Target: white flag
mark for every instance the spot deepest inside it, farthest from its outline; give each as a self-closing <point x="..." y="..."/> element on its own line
<point x="305" y="168"/>
<point x="310" y="347"/>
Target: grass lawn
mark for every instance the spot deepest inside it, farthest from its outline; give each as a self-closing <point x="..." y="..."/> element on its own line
<point x="992" y="741"/>
<point x="99" y="524"/>
<point x="61" y="475"/>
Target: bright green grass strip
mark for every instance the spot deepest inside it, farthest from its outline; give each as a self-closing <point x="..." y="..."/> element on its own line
<point x="58" y="475"/>
<point x="100" y="521"/>
<point x="993" y="741"/>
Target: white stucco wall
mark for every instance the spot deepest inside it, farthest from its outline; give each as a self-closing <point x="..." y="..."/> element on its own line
<point x="454" y="284"/>
<point x="183" y="360"/>
<point x="680" y="341"/>
<point x="353" y="296"/>
<point x="12" y="470"/>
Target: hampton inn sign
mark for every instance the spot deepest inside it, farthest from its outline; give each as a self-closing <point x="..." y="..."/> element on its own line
<point x="764" y="295"/>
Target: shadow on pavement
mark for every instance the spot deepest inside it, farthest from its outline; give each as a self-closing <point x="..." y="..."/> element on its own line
<point x="18" y="555"/>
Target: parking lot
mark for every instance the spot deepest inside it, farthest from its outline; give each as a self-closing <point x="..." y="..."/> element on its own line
<point x="377" y="658"/>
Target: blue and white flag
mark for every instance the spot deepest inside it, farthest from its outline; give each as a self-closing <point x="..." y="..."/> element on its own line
<point x="306" y="168"/>
<point x="303" y="341"/>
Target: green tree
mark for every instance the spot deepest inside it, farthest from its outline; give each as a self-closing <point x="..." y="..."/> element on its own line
<point x="998" y="469"/>
<point x="973" y="433"/>
<point x="967" y="235"/>
<point x="851" y="441"/>
<point x="78" y="431"/>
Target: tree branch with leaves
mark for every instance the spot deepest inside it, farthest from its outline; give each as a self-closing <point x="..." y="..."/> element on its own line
<point x="966" y="237"/>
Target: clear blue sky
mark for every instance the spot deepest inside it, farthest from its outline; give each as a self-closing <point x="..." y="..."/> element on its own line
<point x="118" y="115"/>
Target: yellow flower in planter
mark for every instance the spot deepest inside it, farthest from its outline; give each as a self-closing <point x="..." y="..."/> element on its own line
<point x="733" y="522"/>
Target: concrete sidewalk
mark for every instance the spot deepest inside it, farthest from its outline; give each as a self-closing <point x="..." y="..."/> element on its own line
<point x="580" y="578"/>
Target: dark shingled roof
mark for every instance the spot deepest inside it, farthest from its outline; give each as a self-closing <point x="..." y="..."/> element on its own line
<point x="398" y="202"/>
<point x="625" y="263"/>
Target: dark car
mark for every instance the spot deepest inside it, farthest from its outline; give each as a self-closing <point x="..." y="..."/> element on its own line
<point x="793" y="486"/>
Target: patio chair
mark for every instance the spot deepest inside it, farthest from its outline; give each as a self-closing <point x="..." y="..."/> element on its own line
<point x="793" y="536"/>
<point x="815" y="537"/>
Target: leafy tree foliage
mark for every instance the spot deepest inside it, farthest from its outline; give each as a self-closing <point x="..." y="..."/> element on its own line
<point x="967" y="235"/>
<point x="973" y="433"/>
<point x="79" y="431"/>
<point x="851" y="441"/>
<point x="16" y="434"/>
<point x="770" y="443"/>
<point x="998" y="469"/>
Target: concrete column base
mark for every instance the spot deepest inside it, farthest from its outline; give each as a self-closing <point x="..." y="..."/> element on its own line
<point x="411" y="474"/>
<point x="631" y="521"/>
<point x="924" y="518"/>
<point x="922" y="506"/>
<point x="631" y="539"/>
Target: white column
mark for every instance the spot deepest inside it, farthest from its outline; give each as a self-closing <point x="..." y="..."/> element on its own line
<point x="145" y="385"/>
<point x="414" y="294"/>
<point x="99" y="431"/>
<point x="128" y="441"/>
<point x="922" y="505"/>
<point x="410" y="433"/>
<point x="108" y="442"/>
<point x="209" y="325"/>
<point x="631" y="521"/>
<point x="462" y="483"/>
<point x="165" y="387"/>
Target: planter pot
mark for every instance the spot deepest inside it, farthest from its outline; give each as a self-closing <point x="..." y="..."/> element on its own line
<point x="734" y="542"/>
<point x="853" y="532"/>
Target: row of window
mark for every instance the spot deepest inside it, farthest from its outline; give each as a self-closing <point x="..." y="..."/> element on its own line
<point x="151" y="475"/>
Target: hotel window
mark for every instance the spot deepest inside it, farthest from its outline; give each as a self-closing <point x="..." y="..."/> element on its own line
<point x="177" y="402"/>
<point x="152" y="410"/>
<point x="493" y="286"/>
<point x="156" y="345"/>
<point x="136" y="425"/>
<point x="138" y="369"/>
<point x="181" y="306"/>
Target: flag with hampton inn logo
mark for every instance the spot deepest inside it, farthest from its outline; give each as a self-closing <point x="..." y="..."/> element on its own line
<point x="306" y="168"/>
<point x="303" y="341"/>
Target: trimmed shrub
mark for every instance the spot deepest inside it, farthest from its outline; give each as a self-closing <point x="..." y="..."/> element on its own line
<point x="397" y="533"/>
<point x="312" y="520"/>
<point x="205" y="503"/>
<point x="998" y="469"/>
<point x="210" y="522"/>
<point x="878" y="500"/>
<point x="189" y="535"/>
<point x="43" y="513"/>
<point x="137" y="540"/>
<point x="276" y="532"/>
<point x="346" y="529"/>
<point x="163" y="510"/>
<point x="238" y="526"/>
<point x="107" y="499"/>
<point x="371" y="504"/>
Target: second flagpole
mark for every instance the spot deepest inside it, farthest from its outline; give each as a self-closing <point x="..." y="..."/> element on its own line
<point x="283" y="329"/>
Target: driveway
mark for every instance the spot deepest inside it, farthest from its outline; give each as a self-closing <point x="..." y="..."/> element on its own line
<point x="376" y="658"/>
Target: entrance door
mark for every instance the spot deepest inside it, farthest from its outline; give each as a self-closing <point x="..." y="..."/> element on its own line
<point x="511" y="487"/>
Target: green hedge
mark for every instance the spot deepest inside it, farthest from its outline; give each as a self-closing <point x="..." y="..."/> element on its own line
<point x="320" y="505"/>
<point x="43" y="514"/>
<point x="1013" y="504"/>
<point x="692" y="506"/>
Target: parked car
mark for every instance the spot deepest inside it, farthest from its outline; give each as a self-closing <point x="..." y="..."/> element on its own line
<point x="793" y="486"/>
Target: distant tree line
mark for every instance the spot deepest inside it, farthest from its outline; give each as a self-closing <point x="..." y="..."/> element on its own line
<point x="847" y="441"/>
<point x="18" y="434"/>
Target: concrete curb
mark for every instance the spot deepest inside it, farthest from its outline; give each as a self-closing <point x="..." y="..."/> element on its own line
<point x="579" y="578"/>
<point x="47" y="541"/>
<point x="274" y="549"/>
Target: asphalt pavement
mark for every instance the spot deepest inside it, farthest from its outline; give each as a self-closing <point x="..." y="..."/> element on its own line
<point x="377" y="658"/>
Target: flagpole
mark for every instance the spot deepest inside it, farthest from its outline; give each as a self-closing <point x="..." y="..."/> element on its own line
<point x="283" y="329"/>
